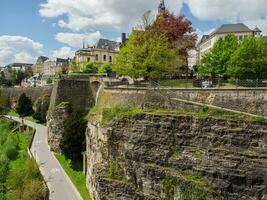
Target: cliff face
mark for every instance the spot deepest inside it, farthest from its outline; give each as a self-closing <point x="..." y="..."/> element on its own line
<point x="176" y="157"/>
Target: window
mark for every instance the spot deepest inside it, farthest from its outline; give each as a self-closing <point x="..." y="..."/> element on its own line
<point x="240" y="37"/>
<point x="88" y="59"/>
<point x="104" y="57"/>
<point x="96" y="57"/>
<point x="110" y="59"/>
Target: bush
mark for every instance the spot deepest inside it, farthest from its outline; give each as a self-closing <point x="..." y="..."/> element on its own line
<point x="89" y="68"/>
<point x="49" y="81"/>
<point x="105" y="68"/>
<point x="73" y="141"/>
<point x="24" y="107"/>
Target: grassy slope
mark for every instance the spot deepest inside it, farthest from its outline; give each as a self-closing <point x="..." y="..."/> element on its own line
<point x="13" y="113"/>
<point x="23" y="155"/>
<point x="76" y="175"/>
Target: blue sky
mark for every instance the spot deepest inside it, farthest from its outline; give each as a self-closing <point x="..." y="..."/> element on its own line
<point x="56" y="28"/>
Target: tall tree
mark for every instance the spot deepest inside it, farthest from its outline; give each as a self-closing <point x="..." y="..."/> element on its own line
<point x="178" y="30"/>
<point x="250" y="60"/>
<point x="24" y="107"/>
<point x="146" y="54"/>
<point x="73" y="141"/>
<point x="215" y="63"/>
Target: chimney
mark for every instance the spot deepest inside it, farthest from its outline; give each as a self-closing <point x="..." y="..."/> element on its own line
<point x="123" y="38"/>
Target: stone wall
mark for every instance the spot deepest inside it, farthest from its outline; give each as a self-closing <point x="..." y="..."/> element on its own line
<point x="177" y="157"/>
<point x="77" y="92"/>
<point x="55" y="126"/>
<point x="33" y="93"/>
<point x="71" y="92"/>
<point x="247" y="100"/>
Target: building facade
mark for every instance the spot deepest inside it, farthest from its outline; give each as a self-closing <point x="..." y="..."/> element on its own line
<point x="241" y="31"/>
<point x="103" y="52"/>
<point x="23" y="67"/>
<point x="46" y="66"/>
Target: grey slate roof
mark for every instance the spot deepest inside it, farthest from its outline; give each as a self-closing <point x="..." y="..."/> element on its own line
<point x="257" y="30"/>
<point x="229" y="28"/>
<point x="232" y="28"/>
<point x="107" y="44"/>
<point x="41" y="59"/>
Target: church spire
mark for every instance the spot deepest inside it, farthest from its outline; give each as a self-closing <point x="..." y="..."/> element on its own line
<point x="162" y="7"/>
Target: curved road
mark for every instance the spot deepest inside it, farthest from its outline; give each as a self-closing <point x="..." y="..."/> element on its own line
<point x="59" y="184"/>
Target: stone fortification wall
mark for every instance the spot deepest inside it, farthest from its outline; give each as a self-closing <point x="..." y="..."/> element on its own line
<point x="70" y="92"/>
<point x="176" y="157"/>
<point x="76" y="92"/>
<point x="247" y="100"/>
<point x="34" y="93"/>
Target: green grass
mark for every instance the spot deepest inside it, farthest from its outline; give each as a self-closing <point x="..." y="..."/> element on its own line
<point x="177" y="83"/>
<point x="13" y="113"/>
<point x="76" y="175"/>
<point x="29" y="118"/>
<point x="109" y="114"/>
<point x="17" y="164"/>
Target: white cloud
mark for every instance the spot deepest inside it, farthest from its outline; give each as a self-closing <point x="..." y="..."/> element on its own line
<point x="228" y="9"/>
<point x="63" y="52"/>
<point x="260" y="23"/>
<point x="18" y="49"/>
<point x="101" y="14"/>
<point x="76" y="39"/>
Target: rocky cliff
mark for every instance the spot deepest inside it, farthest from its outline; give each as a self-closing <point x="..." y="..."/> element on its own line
<point x="177" y="157"/>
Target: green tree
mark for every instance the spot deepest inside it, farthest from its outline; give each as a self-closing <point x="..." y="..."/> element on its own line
<point x="216" y="62"/>
<point x="49" y="81"/>
<point x="13" y="77"/>
<point x="105" y="68"/>
<point x="89" y="68"/>
<point x="73" y="141"/>
<point x="250" y="60"/>
<point x="74" y="67"/>
<point x="147" y="55"/>
<point x="24" y="107"/>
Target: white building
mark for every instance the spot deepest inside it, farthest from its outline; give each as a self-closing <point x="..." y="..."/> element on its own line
<point x="240" y="30"/>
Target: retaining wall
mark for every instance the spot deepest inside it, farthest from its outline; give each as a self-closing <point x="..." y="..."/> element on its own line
<point x="247" y="100"/>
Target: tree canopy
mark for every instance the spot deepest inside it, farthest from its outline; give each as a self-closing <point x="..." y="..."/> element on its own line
<point x="105" y="68"/>
<point x="73" y="142"/>
<point x="89" y="68"/>
<point x="147" y="54"/>
<point x="215" y="63"/>
<point x="178" y="30"/>
<point x="24" y="107"/>
<point x="249" y="61"/>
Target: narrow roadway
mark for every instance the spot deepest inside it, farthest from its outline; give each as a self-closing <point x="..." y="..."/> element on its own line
<point x="60" y="186"/>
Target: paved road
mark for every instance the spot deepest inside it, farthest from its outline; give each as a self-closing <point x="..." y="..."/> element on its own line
<point x="58" y="183"/>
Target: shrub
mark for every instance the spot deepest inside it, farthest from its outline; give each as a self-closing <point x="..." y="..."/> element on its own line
<point x="35" y="190"/>
<point x="89" y="68"/>
<point x="49" y="81"/>
<point x="105" y="68"/>
<point x="24" y="107"/>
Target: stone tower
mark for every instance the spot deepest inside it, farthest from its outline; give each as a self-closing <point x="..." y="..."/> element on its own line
<point x="162" y="7"/>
